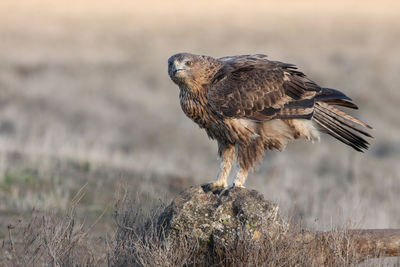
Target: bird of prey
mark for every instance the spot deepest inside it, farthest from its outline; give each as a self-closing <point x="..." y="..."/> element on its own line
<point x="250" y="104"/>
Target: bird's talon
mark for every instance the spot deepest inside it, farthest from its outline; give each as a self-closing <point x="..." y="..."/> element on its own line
<point x="226" y="189"/>
<point x="216" y="185"/>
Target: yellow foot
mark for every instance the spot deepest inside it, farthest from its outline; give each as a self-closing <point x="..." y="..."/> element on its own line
<point x="238" y="185"/>
<point x="217" y="185"/>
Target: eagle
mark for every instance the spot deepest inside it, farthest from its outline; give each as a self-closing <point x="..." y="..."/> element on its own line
<point x="250" y="104"/>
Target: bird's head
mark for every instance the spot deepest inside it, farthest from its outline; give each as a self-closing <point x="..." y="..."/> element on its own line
<point x="188" y="69"/>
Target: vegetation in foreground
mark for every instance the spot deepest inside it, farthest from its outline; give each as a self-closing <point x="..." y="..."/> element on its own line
<point x="59" y="240"/>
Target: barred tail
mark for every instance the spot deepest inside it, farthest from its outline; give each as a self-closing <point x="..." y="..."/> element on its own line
<point x="337" y="123"/>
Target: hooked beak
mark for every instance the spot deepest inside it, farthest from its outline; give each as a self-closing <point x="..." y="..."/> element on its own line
<point x="177" y="66"/>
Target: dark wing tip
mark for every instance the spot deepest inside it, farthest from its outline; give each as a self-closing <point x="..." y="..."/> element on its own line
<point x="330" y="94"/>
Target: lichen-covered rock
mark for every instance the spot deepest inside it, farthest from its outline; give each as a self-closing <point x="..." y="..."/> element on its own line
<point x="217" y="220"/>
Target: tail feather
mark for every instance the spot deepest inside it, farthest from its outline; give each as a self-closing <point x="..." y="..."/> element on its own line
<point x="346" y="116"/>
<point x="341" y="102"/>
<point x="341" y="117"/>
<point x="340" y="125"/>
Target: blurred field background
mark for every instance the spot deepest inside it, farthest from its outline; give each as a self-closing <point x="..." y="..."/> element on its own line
<point x="85" y="99"/>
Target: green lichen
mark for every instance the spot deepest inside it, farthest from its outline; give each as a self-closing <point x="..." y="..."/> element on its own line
<point x="225" y="221"/>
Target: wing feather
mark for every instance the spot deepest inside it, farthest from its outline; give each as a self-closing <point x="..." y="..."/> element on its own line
<point x="253" y="87"/>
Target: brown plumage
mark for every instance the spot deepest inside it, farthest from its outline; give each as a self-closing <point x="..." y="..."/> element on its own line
<point x="250" y="104"/>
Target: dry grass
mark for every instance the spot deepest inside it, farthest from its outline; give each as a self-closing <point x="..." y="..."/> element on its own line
<point x="51" y="240"/>
<point x="59" y="240"/>
<point x="85" y="98"/>
<point x="140" y="241"/>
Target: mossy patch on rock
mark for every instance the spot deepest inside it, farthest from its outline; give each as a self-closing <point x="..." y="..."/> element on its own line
<point x="216" y="220"/>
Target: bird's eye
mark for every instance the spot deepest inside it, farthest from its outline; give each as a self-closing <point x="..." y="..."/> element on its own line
<point x="188" y="63"/>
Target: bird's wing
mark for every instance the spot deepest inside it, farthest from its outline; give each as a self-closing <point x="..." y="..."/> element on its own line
<point x="253" y="87"/>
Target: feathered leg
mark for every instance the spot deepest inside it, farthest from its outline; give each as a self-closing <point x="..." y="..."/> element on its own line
<point x="247" y="157"/>
<point x="239" y="180"/>
<point x="240" y="177"/>
<point x="227" y="154"/>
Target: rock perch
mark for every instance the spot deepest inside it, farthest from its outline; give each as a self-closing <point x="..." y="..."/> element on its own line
<point x="217" y="222"/>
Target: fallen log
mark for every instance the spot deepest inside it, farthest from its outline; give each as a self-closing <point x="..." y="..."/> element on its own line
<point x="352" y="245"/>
